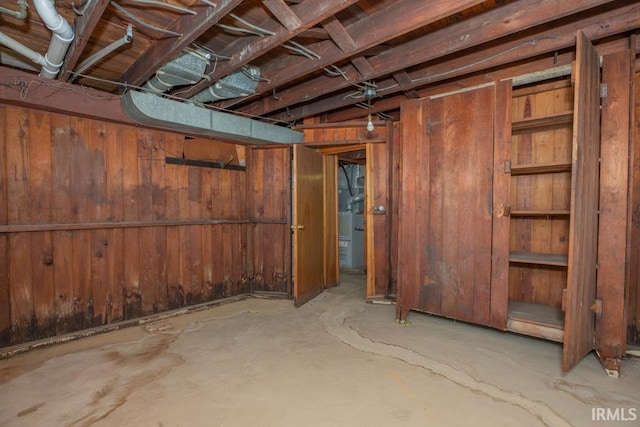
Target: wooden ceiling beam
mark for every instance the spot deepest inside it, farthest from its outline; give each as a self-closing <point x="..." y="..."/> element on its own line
<point x="83" y="28"/>
<point x="283" y="13"/>
<point x="392" y="103"/>
<point x="191" y="27"/>
<point x="245" y="50"/>
<point x="405" y="16"/>
<point x="404" y="81"/>
<point x="487" y="27"/>
<point x="363" y="67"/>
<point x="340" y="35"/>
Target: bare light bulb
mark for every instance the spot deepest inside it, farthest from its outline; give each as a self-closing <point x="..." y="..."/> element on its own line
<point x="369" y="124"/>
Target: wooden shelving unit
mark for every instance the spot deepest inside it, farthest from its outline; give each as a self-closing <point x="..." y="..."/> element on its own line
<point x="533" y="124"/>
<point x="540" y="168"/>
<point x="536" y="320"/>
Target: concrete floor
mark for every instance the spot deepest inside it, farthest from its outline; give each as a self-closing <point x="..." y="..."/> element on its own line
<point x="336" y="361"/>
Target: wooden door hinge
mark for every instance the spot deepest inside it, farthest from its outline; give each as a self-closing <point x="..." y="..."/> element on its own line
<point x="604" y="90"/>
<point x="507" y="166"/>
<point x="596" y="307"/>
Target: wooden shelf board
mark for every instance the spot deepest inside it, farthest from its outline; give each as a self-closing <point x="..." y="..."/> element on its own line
<point x="536" y="320"/>
<point x="540" y="168"/>
<point x="541" y="123"/>
<point x="538" y="258"/>
<point x="539" y="213"/>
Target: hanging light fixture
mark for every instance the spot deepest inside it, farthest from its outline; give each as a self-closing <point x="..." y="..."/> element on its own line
<point x="368" y="93"/>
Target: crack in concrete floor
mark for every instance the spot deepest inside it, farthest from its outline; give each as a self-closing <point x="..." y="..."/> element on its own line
<point x="334" y="321"/>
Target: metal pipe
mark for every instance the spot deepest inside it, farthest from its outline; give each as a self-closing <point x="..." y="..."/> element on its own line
<point x="23" y="50"/>
<point x="62" y="37"/>
<point x="141" y="22"/>
<point x="355" y="199"/>
<point x="20" y="14"/>
<point x="106" y="51"/>
<point x="166" y="5"/>
<point x="13" y="59"/>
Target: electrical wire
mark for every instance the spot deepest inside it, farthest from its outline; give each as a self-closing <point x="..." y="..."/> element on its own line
<point x="531" y="42"/>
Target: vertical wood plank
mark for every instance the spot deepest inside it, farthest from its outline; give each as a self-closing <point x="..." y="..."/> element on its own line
<point x="94" y="137"/>
<point x="131" y="296"/>
<point x="114" y="211"/>
<point x="452" y="212"/>
<point x="394" y="203"/>
<point x="480" y="279"/>
<point x="633" y="293"/>
<point x="19" y="212"/>
<point x="40" y="154"/>
<point x="146" y="251"/>
<point x="411" y="118"/>
<point x="330" y="239"/>
<point x="61" y="165"/>
<point x="5" y="298"/>
<point x="614" y="191"/>
<point x="432" y="289"/>
<point x="501" y="199"/>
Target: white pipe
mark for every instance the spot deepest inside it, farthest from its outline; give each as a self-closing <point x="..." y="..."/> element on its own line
<point x="13" y="59"/>
<point x="62" y="37"/>
<point x="21" y="49"/>
<point x="20" y="14"/>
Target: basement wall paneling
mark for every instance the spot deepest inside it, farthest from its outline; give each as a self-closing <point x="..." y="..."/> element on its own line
<point x="96" y="227"/>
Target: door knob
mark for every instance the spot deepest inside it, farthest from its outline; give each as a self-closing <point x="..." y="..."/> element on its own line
<point x="297" y="227"/>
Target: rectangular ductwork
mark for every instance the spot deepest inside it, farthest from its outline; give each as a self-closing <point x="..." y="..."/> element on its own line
<point x="156" y="111"/>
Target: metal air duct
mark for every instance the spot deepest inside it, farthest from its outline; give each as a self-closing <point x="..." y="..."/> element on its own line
<point x="239" y="84"/>
<point x="186" y="69"/>
<point x="159" y="112"/>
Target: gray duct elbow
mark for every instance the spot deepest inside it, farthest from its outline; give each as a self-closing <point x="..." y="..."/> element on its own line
<point x="354" y="199"/>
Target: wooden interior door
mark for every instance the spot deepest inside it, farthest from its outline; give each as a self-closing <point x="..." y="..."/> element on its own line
<point x="579" y="329"/>
<point x="446" y="211"/>
<point x="308" y="224"/>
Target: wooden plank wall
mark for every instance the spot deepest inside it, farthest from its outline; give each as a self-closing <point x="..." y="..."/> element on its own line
<point x="95" y="227"/>
<point x="270" y="198"/>
<point x="540" y="192"/>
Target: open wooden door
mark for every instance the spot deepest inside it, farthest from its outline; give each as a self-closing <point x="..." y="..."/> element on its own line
<point x="307" y="226"/>
<point x="579" y="329"/>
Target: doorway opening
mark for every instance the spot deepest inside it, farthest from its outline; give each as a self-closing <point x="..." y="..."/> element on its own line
<point x="352" y="230"/>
